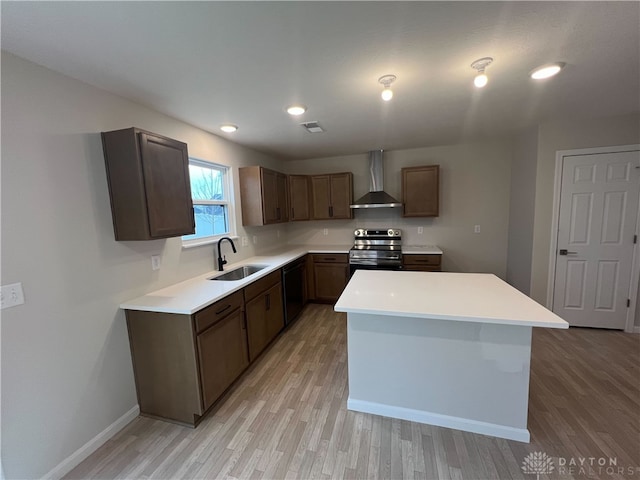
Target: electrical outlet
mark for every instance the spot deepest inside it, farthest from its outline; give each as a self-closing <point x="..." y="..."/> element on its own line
<point x="11" y="295"/>
<point x="245" y="241"/>
<point x="325" y="231"/>
<point x="476" y="229"/>
<point x="420" y="230"/>
<point x="255" y="239"/>
<point x="155" y="262"/>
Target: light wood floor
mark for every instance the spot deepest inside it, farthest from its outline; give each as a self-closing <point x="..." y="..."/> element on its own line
<point x="287" y="418"/>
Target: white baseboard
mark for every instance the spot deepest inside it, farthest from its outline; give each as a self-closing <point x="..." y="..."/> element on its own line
<point x="92" y="445"/>
<point x="457" y="423"/>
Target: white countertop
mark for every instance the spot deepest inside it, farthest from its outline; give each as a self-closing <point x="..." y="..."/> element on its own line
<point x="468" y="297"/>
<point x="421" y="249"/>
<point x="191" y="295"/>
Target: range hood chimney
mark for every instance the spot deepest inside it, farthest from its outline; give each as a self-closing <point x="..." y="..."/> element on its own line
<point x="377" y="197"/>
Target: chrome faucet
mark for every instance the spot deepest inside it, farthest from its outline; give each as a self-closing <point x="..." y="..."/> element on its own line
<point x="223" y="260"/>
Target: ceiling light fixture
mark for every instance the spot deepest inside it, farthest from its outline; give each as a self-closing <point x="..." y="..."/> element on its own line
<point x="228" y="128"/>
<point x="481" y="78"/>
<point x="546" y="71"/>
<point x="387" y="80"/>
<point x="296" y="109"/>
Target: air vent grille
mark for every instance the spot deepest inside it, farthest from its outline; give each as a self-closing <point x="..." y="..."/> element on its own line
<point x="313" y="127"/>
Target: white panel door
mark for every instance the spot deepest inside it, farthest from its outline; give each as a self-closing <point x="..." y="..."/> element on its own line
<point x="597" y="224"/>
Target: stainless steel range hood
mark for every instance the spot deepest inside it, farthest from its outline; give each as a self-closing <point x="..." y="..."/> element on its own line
<point x="377" y="197"/>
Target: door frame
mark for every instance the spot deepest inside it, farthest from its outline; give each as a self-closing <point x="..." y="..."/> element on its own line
<point x="555" y="220"/>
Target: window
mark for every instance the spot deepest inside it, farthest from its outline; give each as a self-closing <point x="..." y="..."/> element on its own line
<point x="211" y="193"/>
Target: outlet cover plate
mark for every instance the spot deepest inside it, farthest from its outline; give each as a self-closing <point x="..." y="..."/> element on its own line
<point x="11" y="295"/>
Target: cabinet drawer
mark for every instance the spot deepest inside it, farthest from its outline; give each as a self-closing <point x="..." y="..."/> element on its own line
<point x="421" y="268"/>
<point x="216" y="312"/>
<point x="430" y="260"/>
<point x="259" y="286"/>
<point x="330" y="258"/>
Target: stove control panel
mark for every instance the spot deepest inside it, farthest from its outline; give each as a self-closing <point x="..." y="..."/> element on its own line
<point x="389" y="232"/>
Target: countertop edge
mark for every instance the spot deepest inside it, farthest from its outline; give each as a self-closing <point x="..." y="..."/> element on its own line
<point x="455" y="318"/>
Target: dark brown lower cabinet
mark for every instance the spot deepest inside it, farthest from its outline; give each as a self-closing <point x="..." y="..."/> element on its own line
<point x="184" y="363"/>
<point x="222" y="351"/>
<point x="265" y="318"/>
<point x="422" y="263"/>
<point x="330" y="276"/>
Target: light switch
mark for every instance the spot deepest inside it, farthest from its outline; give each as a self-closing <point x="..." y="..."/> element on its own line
<point x="476" y="229"/>
<point x="420" y="230"/>
<point x="155" y="262"/>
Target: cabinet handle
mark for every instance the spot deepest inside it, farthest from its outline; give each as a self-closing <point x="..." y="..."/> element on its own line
<point x="329" y="259"/>
<point x="278" y="213"/>
<point x="225" y="308"/>
<point x="292" y="214"/>
<point x="331" y="211"/>
<point x="267" y="299"/>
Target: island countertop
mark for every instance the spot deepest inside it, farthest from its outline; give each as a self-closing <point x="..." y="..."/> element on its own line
<point x="467" y="297"/>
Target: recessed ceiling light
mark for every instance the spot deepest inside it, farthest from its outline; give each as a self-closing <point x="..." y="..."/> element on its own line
<point x="228" y="128"/>
<point x="296" y="109"/>
<point x="547" y="71"/>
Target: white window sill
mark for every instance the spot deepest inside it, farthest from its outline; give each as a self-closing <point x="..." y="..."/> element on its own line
<point x="199" y="242"/>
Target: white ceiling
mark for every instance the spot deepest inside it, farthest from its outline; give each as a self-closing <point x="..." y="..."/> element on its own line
<point x="209" y="63"/>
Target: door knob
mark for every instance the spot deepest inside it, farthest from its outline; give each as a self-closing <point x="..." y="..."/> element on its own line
<point x="564" y="251"/>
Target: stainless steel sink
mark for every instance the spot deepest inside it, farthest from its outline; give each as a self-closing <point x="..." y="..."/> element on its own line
<point x="239" y="273"/>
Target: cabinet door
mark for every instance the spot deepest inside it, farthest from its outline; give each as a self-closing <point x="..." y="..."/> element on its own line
<point x="265" y="319"/>
<point x="298" y="197"/>
<point x="320" y="197"/>
<point x="420" y="191"/>
<point x="165" y="165"/>
<point x="269" y="196"/>
<point x="341" y="195"/>
<point x="282" y="210"/>
<point x="330" y="280"/>
<point x="222" y="351"/>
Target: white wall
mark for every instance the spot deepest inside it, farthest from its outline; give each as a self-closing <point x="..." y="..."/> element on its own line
<point x="521" y="209"/>
<point x="474" y="190"/>
<point x="66" y="366"/>
<point x="565" y="135"/>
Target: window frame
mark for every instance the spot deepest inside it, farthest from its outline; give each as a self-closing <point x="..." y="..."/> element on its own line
<point x="227" y="187"/>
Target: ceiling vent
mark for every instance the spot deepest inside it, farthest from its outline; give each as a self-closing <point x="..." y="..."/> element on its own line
<point x="313" y="127"/>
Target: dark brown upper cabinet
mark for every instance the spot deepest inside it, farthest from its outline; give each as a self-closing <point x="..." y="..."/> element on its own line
<point x="263" y="195"/>
<point x="149" y="187"/>
<point x="331" y="196"/>
<point x="421" y="191"/>
<point x="299" y="198"/>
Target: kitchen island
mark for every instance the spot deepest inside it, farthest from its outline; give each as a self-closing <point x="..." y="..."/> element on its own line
<point x="446" y="349"/>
